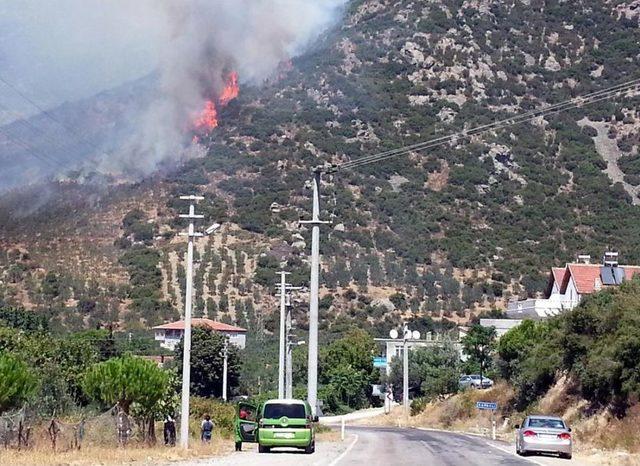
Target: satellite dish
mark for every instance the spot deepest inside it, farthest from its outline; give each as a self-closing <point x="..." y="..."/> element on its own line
<point x="393" y="333"/>
<point x="416" y="335"/>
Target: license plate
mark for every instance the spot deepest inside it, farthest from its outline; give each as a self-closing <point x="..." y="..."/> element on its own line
<point x="284" y="435"/>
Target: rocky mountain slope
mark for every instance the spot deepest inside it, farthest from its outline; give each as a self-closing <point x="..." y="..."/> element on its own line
<point x="442" y="234"/>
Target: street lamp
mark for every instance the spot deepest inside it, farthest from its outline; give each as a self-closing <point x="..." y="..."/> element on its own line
<point x="406" y="336"/>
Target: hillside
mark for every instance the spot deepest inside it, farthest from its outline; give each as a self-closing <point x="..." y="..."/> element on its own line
<point x="441" y="234"/>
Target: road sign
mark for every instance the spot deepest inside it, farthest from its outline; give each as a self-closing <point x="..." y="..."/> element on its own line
<point x="491" y="406"/>
<point x="379" y="362"/>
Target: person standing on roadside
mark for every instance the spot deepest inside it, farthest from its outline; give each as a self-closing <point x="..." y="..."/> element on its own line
<point x="206" y="429"/>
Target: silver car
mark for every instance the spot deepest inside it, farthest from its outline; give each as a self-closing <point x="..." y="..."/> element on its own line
<point x="474" y="381"/>
<point x="544" y="434"/>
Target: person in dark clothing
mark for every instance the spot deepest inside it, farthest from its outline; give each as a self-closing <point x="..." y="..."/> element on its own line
<point x="206" y="429"/>
<point x="169" y="431"/>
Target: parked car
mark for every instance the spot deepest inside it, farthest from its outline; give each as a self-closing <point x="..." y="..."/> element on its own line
<point x="544" y="434"/>
<point x="278" y="423"/>
<point x="474" y="381"/>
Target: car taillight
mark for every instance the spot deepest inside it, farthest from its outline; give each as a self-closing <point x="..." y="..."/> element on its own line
<point x="529" y="433"/>
<point x="564" y="436"/>
<point x="260" y="423"/>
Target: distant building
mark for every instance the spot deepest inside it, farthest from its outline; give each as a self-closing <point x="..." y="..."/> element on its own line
<point x="502" y="326"/>
<point x="169" y="335"/>
<point x="568" y="285"/>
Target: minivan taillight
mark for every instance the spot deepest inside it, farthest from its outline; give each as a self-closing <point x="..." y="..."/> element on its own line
<point x="529" y="433"/>
<point x="564" y="436"/>
<point x="260" y="423"/>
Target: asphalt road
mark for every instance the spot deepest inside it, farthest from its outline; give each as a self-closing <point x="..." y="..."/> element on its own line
<point x="371" y="446"/>
<point x="410" y="447"/>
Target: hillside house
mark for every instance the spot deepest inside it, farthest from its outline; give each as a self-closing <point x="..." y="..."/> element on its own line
<point x="568" y="285"/>
<point x="169" y="335"/>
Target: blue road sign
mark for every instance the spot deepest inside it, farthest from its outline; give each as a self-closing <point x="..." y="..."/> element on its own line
<point x="487" y="405"/>
<point x="379" y="362"/>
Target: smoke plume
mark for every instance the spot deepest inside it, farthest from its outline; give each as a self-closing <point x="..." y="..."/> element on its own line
<point x="190" y="45"/>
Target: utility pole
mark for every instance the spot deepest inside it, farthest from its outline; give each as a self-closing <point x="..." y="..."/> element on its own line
<point x="405" y="370"/>
<point x="289" y="375"/>
<point x="314" y="288"/>
<point x="186" y="353"/>
<point x="282" y="353"/>
<point x="224" y="368"/>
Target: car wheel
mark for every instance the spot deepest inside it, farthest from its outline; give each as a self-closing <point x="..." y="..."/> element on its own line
<point x="566" y="456"/>
<point x="311" y="448"/>
<point x="238" y="446"/>
<point x="262" y="449"/>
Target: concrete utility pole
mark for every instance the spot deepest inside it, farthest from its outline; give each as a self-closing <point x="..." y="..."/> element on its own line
<point x="314" y="289"/>
<point x="283" y="343"/>
<point x="224" y="368"/>
<point x="405" y="369"/>
<point x="289" y="357"/>
<point x="186" y="353"/>
<point x="285" y="369"/>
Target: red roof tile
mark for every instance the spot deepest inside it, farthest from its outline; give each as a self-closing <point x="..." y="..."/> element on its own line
<point x="557" y="275"/>
<point x="630" y="271"/>
<point x="584" y="276"/>
<point x="217" y="326"/>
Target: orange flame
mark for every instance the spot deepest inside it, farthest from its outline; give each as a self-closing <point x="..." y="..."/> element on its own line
<point x="231" y="90"/>
<point x="207" y="119"/>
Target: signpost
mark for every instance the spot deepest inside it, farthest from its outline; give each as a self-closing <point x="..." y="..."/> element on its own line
<point x="489" y="406"/>
<point x="379" y="362"/>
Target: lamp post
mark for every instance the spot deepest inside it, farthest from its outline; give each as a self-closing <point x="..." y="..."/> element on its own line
<point x="407" y="335"/>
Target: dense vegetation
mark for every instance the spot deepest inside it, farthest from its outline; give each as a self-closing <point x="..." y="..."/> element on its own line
<point x="597" y="345"/>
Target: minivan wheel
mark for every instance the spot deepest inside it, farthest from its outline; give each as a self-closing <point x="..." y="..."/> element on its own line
<point x="311" y="448"/>
<point x="238" y="446"/>
<point x="262" y="449"/>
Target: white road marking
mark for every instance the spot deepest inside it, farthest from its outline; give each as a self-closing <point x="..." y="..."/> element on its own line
<point x="492" y="445"/>
<point x="346" y="452"/>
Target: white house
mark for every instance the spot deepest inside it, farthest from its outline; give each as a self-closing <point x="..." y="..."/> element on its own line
<point x="568" y="285"/>
<point x="169" y="335"/>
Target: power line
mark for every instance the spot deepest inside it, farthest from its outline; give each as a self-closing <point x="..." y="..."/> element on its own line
<point x="46" y="113"/>
<point x="25" y="146"/>
<point x="575" y="102"/>
<point x="24" y="122"/>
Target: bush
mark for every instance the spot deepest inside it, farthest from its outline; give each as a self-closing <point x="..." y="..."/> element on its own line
<point x="222" y="414"/>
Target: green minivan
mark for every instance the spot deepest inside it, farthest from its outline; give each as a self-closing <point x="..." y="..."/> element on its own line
<point x="276" y="423"/>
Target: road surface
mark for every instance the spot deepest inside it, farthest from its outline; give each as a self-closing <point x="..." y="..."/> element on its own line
<point x="371" y="446"/>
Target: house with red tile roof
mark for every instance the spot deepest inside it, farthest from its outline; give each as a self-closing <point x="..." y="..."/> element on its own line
<point x="169" y="335"/>
<point x="568" y="285"/>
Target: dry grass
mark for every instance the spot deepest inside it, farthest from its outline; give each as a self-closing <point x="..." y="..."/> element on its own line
<point x="105" y="456"/>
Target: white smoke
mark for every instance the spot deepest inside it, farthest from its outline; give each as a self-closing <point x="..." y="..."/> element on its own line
<point x="190" y="44"/>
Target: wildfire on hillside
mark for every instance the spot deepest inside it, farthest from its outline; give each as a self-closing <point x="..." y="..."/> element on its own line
<point x="207" y="119"/>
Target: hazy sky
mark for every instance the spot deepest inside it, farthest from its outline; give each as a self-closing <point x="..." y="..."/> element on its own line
<point x="58" y="50"/>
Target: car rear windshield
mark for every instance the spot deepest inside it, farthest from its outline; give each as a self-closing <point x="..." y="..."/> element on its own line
<point x="278" y="410"/>
<point x="547" y="423"/>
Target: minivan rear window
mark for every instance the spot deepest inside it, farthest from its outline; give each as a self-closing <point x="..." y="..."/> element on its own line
<point x="278" y="410"/>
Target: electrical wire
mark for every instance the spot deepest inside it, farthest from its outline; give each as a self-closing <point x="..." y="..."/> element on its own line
<point x="47" y="114"/>
<point x="587" y="99"/>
